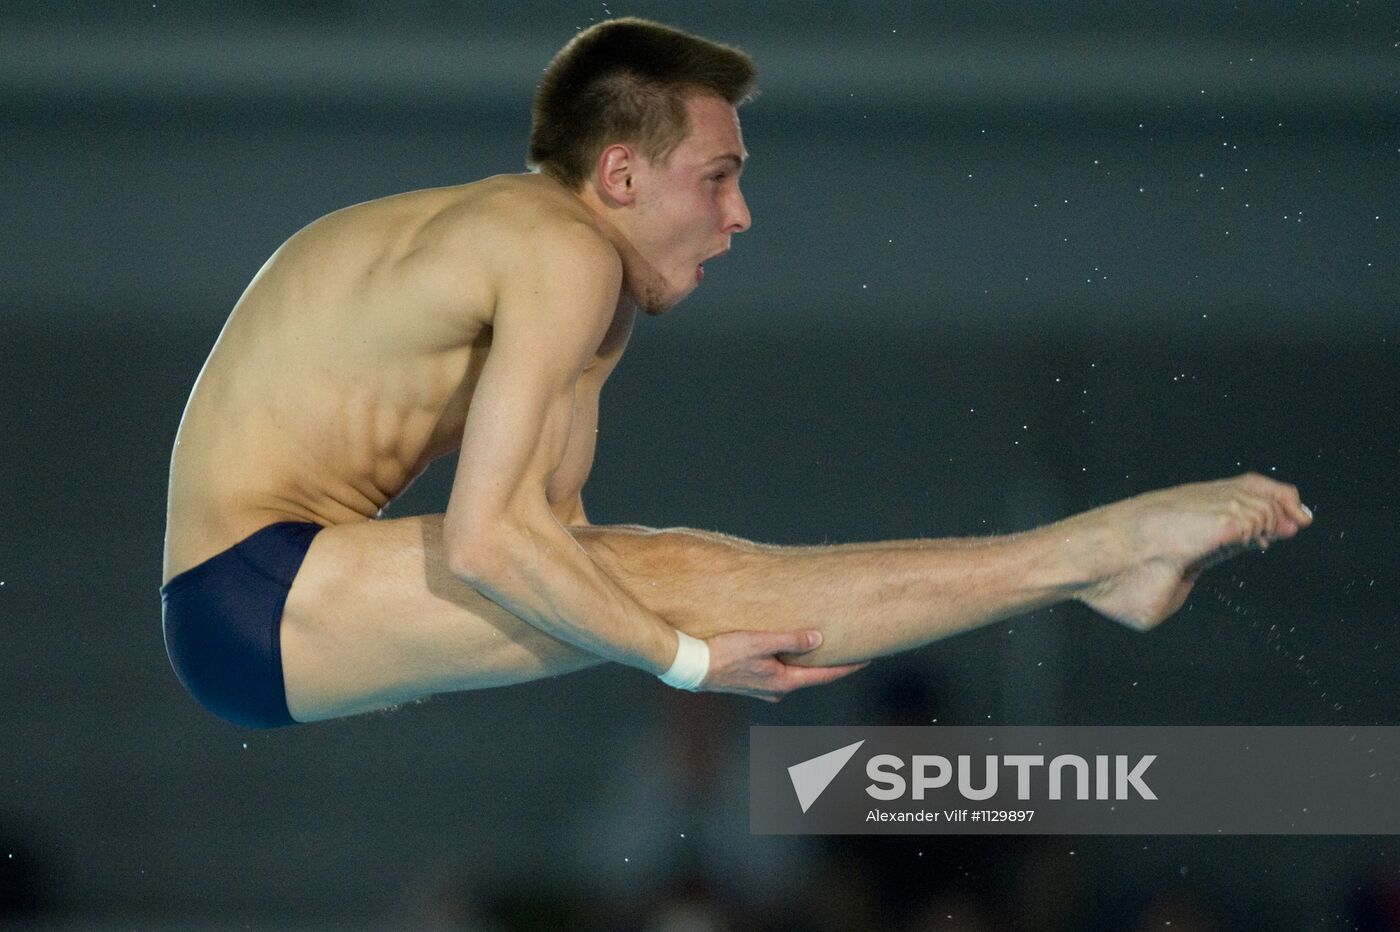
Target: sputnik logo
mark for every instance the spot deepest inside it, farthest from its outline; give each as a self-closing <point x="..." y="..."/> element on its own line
<point x="811" y="777"/>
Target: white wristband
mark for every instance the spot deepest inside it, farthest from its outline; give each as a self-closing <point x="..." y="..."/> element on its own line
<point x="691" y="665"/>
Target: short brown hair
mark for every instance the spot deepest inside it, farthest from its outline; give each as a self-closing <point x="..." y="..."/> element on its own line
<point x="627" y="80"/>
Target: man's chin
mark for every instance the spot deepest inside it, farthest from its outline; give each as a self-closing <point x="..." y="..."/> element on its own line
<point x="658" y="305"/>
<point x="657" y="302"/>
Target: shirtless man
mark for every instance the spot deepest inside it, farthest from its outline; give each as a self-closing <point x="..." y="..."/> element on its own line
<point x="486" y="318"/>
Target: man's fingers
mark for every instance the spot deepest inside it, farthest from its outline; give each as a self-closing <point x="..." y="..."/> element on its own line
<point x="816" y="676"/>
<point x="794" y="642"/>
<point x="765" y="675"/>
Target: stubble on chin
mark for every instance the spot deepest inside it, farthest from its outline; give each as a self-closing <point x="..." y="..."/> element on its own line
<point x="653" y="300"/>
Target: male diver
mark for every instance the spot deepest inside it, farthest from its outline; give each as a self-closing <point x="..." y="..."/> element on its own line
<point x="485" y="318"/>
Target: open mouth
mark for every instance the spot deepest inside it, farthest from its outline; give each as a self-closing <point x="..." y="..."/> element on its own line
<point x="700" y="268"/>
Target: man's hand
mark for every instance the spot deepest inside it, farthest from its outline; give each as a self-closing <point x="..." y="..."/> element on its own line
<point x="746" y="663"/>
<point x="1173" y="535"/>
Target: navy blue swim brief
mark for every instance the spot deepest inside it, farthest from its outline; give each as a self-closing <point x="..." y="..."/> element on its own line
<point x="222" y="619"/>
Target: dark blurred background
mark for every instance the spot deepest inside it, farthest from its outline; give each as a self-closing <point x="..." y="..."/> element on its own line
<point x="1009" y="261"/>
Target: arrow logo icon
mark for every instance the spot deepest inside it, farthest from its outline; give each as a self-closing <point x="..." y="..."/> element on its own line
<point x="811" y="777"/>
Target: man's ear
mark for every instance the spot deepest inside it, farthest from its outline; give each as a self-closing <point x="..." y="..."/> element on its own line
<point x="616" y="166"/>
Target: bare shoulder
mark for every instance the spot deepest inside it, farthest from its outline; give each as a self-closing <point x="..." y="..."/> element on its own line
<point x="473" y="228"/>
<point x="436" y="266"/>
<point x="540" y="238"/>
<point x="499" y="237"/>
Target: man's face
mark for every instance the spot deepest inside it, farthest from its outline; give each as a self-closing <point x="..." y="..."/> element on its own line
<point x="687" y="209"/>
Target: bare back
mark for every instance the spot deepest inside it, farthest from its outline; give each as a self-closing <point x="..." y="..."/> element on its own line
<point x="349" y="364"/>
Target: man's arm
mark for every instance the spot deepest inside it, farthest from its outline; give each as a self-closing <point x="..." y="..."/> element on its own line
<point x="577" y="461"/>
<point x="552" y="312"/>
<point x="573" y="514"/>
<point x="500" y="534"/>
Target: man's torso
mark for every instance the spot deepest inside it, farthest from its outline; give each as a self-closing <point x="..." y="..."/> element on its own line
<point x="349" y="364"/>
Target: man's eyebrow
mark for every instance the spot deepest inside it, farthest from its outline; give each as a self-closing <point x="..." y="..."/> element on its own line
<point x="730" y="157"/>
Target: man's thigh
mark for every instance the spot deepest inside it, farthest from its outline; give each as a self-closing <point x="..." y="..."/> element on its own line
<point x="374" y="618"/>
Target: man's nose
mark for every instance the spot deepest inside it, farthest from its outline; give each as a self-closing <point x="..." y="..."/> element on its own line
<point x="739" y="219"/>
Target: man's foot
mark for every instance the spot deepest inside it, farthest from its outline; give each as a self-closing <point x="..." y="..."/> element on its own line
<point x="1173" y="535"/>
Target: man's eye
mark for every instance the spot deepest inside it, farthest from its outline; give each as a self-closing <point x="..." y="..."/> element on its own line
<point x="720" y="177"/>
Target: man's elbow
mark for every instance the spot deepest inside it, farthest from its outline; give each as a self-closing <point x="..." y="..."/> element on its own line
<point x="473" y="558"/>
